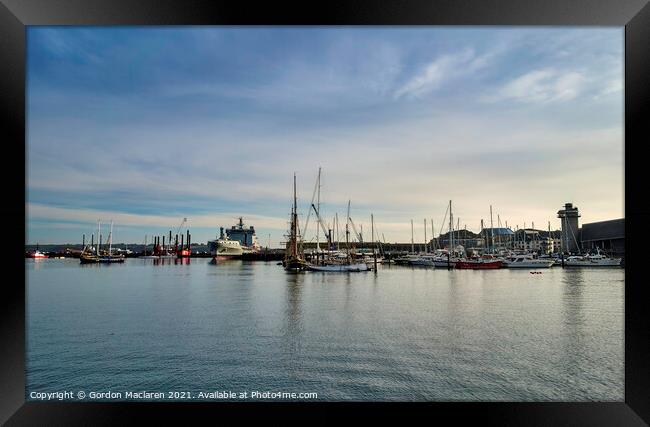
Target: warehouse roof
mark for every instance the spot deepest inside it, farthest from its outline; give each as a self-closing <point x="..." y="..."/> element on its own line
<point x="603" y="230"/>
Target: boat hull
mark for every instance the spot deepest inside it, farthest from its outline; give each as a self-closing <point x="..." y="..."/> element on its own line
<point x="184" y="253"/>
<point x="527" y="264"/>
<point x="469" y="265"/>
<point x="422" y="262"/>
<point x="609" y="263"/>
<point x="295" y="265"/>
<point x="225" y="257"/>
<point x="340" y="267"/>
<point x="101" y="260"/>
<point x="444" y="264"/>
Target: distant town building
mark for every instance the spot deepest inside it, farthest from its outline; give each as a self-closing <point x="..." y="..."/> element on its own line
<point x="497" y="237"/>
<point x="463" y="237"/>
<point x="540" y="241"/>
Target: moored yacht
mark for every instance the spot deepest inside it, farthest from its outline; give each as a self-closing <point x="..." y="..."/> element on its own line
<point x="592" y="260"/>
<point x="527" y="261"/>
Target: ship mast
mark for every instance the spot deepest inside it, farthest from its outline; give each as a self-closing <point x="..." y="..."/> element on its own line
<point x="347" y="233"/>
<point x="451" y="231"/>
<point x="318" y="219"/>
<point x="110" y="239"/>
<point x="294" y="222"/>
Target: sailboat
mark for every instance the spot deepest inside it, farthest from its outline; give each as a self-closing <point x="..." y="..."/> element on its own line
<point x="448" y="258"/>
<point x="294" y="260"/>
<point x="88" y="257"/>
<point x="342" y="264"/>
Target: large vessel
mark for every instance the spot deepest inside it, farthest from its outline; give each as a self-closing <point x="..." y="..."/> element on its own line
<point x="236" y="241"/>
<point x="244" y="235"/>
<point x="224" y="248"/>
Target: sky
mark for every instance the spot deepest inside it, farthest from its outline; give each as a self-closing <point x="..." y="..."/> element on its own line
<point x="146" y="126"/>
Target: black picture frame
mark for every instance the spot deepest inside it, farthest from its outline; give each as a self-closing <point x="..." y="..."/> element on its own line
<point x="15" y="15"/>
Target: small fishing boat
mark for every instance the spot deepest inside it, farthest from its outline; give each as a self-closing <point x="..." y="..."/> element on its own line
<point x="36" y="254"/>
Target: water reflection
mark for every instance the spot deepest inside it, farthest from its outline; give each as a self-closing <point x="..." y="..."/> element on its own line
<point x="171" y="261"/>
<point x="293" y="310"/>
<point x="573" y="319"/>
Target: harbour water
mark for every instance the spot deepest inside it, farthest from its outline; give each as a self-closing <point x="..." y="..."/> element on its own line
<point x="403" y="333"/>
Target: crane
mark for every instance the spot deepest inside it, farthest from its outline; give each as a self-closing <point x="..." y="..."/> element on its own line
<point x="181" y="226"/>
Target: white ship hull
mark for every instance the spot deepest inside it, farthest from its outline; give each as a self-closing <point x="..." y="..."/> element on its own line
<point x="225" y="248"/>
<point x="443" y="263"/>
<point x="427" y="262"/>
<point x="529" y="264"/>
<point x="607" y="262"/>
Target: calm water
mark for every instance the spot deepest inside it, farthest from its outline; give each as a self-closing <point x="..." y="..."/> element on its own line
<point x="401" y="334"/>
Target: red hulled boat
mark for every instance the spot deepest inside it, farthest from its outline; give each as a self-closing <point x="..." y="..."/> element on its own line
<point x="485" y="262"/>
<point x="36" y="254"/>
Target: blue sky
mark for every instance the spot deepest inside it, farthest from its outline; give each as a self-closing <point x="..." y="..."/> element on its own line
<point x="147" y="125"/>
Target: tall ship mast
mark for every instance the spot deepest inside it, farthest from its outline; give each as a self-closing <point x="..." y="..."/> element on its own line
<point x="294" y="260"/>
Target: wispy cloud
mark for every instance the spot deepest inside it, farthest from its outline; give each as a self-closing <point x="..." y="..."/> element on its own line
<point x="540" y="86"/>
<point x="443" y="68"/>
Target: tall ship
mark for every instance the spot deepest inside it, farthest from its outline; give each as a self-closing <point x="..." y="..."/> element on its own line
<point x="99" y="255"/>
<point x="294" y="258"/>
<point x="236" y="241"/>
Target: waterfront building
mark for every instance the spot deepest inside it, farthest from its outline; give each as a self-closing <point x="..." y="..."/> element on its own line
<point x="608" y="236"/>
<point x="570" y="232"/>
